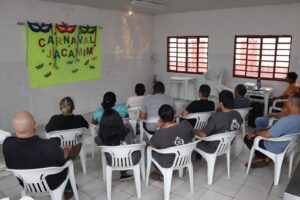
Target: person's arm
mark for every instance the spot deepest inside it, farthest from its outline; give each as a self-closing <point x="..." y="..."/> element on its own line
<point x="185" y="112"/>
<point x="143" y="115"/>
<point x="201" y="134"/>
<point x="208" y="129"/>
<point x="263" y="133"/>
<point x="84" y="122"/>
<point x="143" y="111"/>
<point x="51" y="125"/>
<point x="94" y="121"/>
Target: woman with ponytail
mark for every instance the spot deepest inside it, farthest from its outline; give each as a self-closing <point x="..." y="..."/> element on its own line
<point x="109" y="102"/>
<point x="66" y="120"/>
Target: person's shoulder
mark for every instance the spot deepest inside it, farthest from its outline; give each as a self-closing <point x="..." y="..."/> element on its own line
<point x="185" y="124"/>
<point x="9" y="140"/>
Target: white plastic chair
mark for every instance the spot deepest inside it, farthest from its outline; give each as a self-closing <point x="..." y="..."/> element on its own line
<point x="224" y="146"/>
<point x="277" y="158"/>
<point x="94" y="131"/>
<point x="71" y="137"/>
<point x="26" y="198"/>
<point x="3" y="136"/>
<point x="151" y="120"/>
<point x="201" y="119"/>
<point x="214" y="76"/>
<point x="244" y="112"/>
<point x="183" y="154"/>
<point x="122" y="160"/>
<point x="35" y="183"/>
<point x="134" y="113"/>
<point x="274" y="106"/>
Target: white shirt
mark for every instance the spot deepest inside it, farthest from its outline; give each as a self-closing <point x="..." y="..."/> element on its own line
<point x="135" y="101"/>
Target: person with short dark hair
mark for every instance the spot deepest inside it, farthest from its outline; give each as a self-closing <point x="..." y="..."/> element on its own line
<point x="109" y="101"/>
<point x="286" y="125"/>
<point x="66" y="120"/>
<point x="169" y="134"/>
<point x="152" y="103"/>
<point x="240" y="101"/>
<point x="220" y="122"/>
<point x="113" y="132"/>
<point x="28" y="151"/>
<point x="137" y="101"/>
<point x="202" y="105"/>
<point x="292" y="88"/>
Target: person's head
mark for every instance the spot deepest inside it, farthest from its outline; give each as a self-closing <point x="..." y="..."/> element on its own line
<point x="204" y="91"/>
<point x="226" y="99"/>
<point x="140" y="89"/>
<point x="109" y="100"/>
<point x="66" y="106"/>
<point x="24" y="125"/>
<point x="293" y="104"/>
<point x="158" y="88"/>
<point x="240" y="90"/>
<point x="111" y="127"/>
<point x="291" y="77"/>
<point x="166" y="113"/>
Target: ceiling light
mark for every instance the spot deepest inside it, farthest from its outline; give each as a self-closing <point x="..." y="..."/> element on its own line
<point x="152" y="5"/>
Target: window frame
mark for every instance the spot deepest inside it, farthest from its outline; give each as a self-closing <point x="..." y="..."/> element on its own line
<point x="261" y="37"/>
<point x="186" y="67"/>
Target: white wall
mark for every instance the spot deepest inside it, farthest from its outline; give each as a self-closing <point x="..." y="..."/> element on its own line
<point x="127" y="45"/>
<point x="221" y="26"/>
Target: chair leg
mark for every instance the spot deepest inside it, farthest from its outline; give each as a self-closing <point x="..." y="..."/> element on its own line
<point x="108" y="181"/>
<point x="148" y="167"/>
<point x="210" y="169"/>
<point x="142" y="163"/>
<point x="291" y="159"/>
<point x="93" y="148"/>
<point x="73" y="182"/>
<point x="167" y="183"/>
<point x="191" y="174"/>
<point x="83" y="160"/>
<point x="56" y="195"/>
<point x="244" y="129"/>
<point x="250" y="160"/>
<point x="23" y="192"/>
<point x="137" y="180"/>
<point x="228" y="163"/>
<point x="103" y="166"/>
<point x="277" y="168"/>
<point x="180" y="172"/>
<point x="141" y="132"/>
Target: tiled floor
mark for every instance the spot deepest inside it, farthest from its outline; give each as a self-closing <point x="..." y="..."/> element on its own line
<point x="258" y="185"/>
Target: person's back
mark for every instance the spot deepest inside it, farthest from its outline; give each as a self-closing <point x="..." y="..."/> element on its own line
<point x="137" y="101"/>
<point x="240" y="101"/>
<point x="170" y="134"/>
<point x="28" y="151"/>
<point x="225" y="121"/>
<point x="66" y="120"/>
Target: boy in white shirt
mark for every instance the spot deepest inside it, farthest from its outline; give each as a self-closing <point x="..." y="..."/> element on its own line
<point x="137" y="100"/>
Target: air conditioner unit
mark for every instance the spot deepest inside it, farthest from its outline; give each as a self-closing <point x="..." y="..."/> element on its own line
<point x="151" y="5"/>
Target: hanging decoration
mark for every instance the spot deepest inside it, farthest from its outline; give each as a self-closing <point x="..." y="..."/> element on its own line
<point x="62" y="53"/>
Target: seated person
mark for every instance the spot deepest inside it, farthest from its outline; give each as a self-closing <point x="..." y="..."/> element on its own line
<point x="66" y="120"/>
<point x="29" y="151"/>
<point x="202" y="105"/>
<point x="292" y="88"/>
<point x="284" y="126"/>
<point x="225" y="120"/>
<point x="113" y="132"/>
<point x="262" y="123"/>
<point x="240" y="101"/>
<point x="152" y="103"/>
<point x="109" y="101"/>
<point x="137" y="101"/>
<point x="169" y="134"/>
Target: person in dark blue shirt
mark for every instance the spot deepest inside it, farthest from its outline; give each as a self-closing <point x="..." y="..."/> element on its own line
<point x="240" y="101"/>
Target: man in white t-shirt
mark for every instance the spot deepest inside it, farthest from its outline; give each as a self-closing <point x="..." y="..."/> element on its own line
<point x="137" y="101"/>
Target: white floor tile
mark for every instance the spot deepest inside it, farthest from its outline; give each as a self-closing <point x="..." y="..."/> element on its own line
<point x="209" y="195"/>
<point x="246" y="193"/>
<point x="116" y="194"/>
<point x="184" y="191"/>
<point x="226" y="187"/>
<point x="94" y="188"/>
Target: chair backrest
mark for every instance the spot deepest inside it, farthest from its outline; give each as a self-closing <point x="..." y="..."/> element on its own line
<point x="3" y="135"/>
<point x="201" y="119"/>
<point x="182" y="153"/>
<point x="151" y="120"/>
<point x="94" y="130"/>
<point x="214" y="76"/>
<point x="34" y="180"/>
<point x="134" y="112"/>
<point x="69" y="137"/>
<point x="121" y="155"/>
<point x="243" y="112"/>
<point x="292" y="139"/>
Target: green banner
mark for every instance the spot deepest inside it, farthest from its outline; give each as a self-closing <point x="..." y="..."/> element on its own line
<point x="61" y="53"/>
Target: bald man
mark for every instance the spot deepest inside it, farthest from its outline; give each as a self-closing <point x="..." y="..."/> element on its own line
<point x="29" y="151"/>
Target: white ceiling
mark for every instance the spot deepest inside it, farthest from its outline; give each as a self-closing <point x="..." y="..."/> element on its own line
<point x="176" y="5"/>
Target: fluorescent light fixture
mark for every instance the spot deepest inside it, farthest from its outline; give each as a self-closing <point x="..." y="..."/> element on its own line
<point x="144" y="4"/>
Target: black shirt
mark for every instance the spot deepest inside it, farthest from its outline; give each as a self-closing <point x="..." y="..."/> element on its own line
<point x="33" y="153"/>
<point x="202" y="105"/>
<point x="65" y="122"/>
<point x="179" y="134"/>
